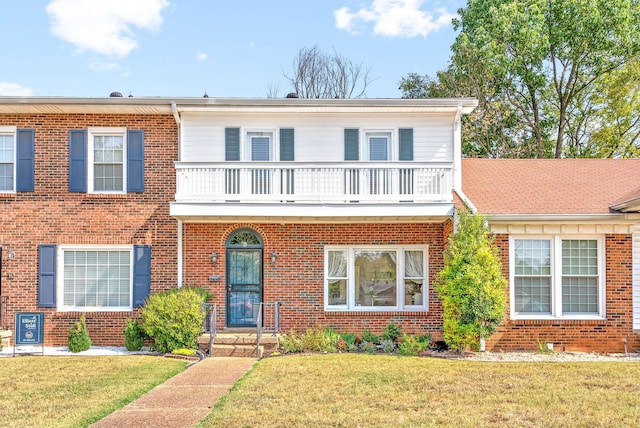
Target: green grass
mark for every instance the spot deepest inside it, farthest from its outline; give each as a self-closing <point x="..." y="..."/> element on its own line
<point x="349" y="390"/>
<point x="75" y="391"/>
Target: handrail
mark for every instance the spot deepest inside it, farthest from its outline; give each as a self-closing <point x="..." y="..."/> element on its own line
<point x="4" y="304"/>
<point x="260" y="325"/>
<point x="209" y="323"/>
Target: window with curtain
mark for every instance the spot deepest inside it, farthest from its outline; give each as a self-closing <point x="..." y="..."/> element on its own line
<point x="375" y="278"/>
<point x="557" y="277"/>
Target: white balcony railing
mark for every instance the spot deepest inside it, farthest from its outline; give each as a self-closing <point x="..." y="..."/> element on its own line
<point x="313" y="182"/>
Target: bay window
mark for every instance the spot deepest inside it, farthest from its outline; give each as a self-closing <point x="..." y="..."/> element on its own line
<point x="375" y="278"/>
<point x="557" y="277"/>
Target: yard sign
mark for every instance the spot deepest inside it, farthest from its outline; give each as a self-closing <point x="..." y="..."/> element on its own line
<point x="29" y="330"/>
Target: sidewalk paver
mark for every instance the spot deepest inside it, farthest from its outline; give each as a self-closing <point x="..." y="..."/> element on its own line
<point x="185" y="399"/>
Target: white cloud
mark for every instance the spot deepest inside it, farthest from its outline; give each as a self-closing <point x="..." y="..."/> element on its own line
<point x="394" y="18"/>
<point x="104" y="26"/>
<point x="202" y="56"/>
<point x="10" y="89"/>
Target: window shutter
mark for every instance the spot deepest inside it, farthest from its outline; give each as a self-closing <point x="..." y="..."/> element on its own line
<point x="286" y="145"/>
<point x="78" y="161"/>
<point x="232" y="144"/>
<point x="141" y="274"/>
<point x="47" y="275"/>
<point x="406" y="144"/>
<point x="135" y="161"/>
<point x="351" y="141"/>
<point x="25" y="161"/>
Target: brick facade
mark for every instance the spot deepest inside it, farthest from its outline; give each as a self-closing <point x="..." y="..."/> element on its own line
<point x="579" y="335"/>
<point x="53" y="215"/>
<point x="297" y="279"/>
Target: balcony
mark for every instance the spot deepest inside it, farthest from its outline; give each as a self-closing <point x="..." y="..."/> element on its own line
<point x="313" y="183"/>
<point x="312" y="192"/>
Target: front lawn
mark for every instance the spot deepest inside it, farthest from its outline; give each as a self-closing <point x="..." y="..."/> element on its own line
<point x="75" y="391"/>
<point x="349" y="390"/>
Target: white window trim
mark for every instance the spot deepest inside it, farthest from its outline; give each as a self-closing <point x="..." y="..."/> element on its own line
<point x="391" y="147"/>
<point x="91" y="133"/>
<point x="556" y="278"/>
<point x="400" y="307"/>
<point x="13" y="131"/>
<point x="246" y="143"/>
<point x="60" y="278"/>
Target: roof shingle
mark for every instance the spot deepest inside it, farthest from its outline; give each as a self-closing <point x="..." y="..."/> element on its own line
<point x="549" y="186"/>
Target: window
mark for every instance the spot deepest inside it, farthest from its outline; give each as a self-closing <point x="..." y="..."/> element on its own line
<point x="95" y="278"/>
<point x="378" y="146"/>
<point x="7" y="161"/>
<point x="107" y="154"/>
<point x="557" y="277"/>
<point x="375" y="278"/>
<point x="260" y="148"/>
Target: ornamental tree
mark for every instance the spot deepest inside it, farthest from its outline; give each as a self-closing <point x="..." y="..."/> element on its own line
<point x="471" y="285"/>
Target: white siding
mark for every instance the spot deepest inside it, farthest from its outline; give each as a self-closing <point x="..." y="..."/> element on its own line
<point x="636" y="278"/>
<point x="318" y="137"/>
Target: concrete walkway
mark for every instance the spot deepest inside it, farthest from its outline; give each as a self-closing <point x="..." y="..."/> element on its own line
<point x="183" y="400"/>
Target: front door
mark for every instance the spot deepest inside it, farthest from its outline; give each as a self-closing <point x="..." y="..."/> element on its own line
<point x="244" y="278"/>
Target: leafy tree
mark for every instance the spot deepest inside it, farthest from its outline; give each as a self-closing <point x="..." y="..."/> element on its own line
<point x="617" y="130"/>
<point x="316" y="74"/>
<point x="542" y="64"/>
<point x="471" y="284"/>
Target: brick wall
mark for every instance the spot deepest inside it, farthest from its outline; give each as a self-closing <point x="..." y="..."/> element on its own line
<point x="579" y="335"/>
<point x="297" y="279"/>
<point x="52" y="215"/>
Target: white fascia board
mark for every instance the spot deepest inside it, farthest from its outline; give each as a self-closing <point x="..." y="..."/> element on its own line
<point x="310" y="213"/>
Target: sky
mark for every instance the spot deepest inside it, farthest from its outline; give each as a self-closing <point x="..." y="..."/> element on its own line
<point x="230" y="48"/>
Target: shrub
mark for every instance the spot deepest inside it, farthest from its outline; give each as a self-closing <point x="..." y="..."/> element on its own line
<point x="391" y="332"/>
<point x="184" y="351"/>
<point x="411" y="345"/>
<point x="133" y="336"/>
<point x="173" y="319"/>
<point x="388" y="345"/>
<point x="79" y="339"/>
<point x="367" y="336"/>
<point x="471" y="285"/>
<point x="368" y="347"/>
<point x="317" y="340"/>
<point x="290" y="343"/>
<point x="349" y="338"/>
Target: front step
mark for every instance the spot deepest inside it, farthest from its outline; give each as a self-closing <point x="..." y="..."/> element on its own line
<point x="240" y="344"/>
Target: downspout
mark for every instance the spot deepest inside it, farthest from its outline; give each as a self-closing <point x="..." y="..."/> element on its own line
<point x="176" y="116"/>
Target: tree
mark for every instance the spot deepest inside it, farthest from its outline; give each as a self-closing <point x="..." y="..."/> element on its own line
<point x="316" y="74"/>
<point x="471" y="284"/>
<point x="543" y="61"/>
<point x="617" y="130"/>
